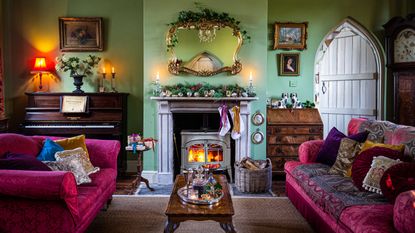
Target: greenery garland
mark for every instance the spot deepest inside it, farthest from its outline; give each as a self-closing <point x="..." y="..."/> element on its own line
<point x="205" y="90"/>
<point x="205" y="14"/>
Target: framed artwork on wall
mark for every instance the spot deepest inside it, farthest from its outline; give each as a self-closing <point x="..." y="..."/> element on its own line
<point x="290" y="36"/>
<point x="80" y="34"/>
<point x="289" y="64"/>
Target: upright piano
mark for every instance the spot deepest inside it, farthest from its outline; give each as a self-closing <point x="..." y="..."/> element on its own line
<point x="104" y="117"/>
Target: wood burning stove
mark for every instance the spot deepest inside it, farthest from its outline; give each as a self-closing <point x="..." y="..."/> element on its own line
<point x="205" y="148"/>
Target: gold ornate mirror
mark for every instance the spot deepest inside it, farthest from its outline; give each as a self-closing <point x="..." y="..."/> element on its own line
<point x="209" y="43"/>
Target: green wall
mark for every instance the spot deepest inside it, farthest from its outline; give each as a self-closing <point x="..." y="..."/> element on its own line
<point x="134" y="40"/>
<point x="251" y="13"/>
<point x="33" y="31"/>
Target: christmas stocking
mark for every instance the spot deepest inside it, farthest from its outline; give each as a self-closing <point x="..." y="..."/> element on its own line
<point x="225" y="125"/>
<point x="238" y="124"/>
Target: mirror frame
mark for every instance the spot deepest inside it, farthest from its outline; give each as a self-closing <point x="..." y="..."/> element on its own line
<point x="176" y="66"/>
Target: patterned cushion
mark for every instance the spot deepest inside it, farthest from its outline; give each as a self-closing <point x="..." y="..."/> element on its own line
<point x="379" y="165"/>
<point x="330" y="148"/>
<point x="73" y="143"/>
<point x="86" y="163"/>
<point x="404" y="212"/>
<point x="369" y="144"/>
<point x="73" y="164"/>
<point x="398" y="179"/>
<point x="363" y="161"/>
<point x="347" y="152"/>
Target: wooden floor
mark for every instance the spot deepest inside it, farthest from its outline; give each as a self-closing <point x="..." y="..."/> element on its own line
<point x="124" y="185"/>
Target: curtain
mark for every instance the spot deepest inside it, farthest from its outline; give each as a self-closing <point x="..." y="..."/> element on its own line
<point x="2" y="110"/>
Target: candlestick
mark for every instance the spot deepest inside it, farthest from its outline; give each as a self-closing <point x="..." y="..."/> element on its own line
<point x="113" y="70"/>
<point x="113" y="81"/>
<point x="101" y="82"/>
<point x="103" y="70"/>
<point x="158" y="77"/>
<point x="251" y="91"/>
<point x="250" y="77"/>
<point x="157" y="86"/>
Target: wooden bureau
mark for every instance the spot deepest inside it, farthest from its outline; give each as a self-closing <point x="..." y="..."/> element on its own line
<point x="286" y="130"/>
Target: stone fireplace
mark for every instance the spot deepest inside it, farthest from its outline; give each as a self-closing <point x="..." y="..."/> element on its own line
<point x="168" y="106"/>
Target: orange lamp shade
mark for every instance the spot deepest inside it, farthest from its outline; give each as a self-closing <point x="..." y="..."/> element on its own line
<point x="40" y="64"/>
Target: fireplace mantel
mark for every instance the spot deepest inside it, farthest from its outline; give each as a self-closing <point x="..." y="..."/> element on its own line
<point x="166" y="106"/>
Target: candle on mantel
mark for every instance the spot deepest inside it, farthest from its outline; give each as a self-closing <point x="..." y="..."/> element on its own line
<point x="158" y="77"/>
<point x="113" y="70"/>
<point x="250" y="77"/>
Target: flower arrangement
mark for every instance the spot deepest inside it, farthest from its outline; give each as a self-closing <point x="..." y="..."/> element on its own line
<point x="204" y="90"/>
<point x="75" y="65"/>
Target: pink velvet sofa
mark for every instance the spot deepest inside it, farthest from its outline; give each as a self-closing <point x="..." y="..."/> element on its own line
<point x="50" y="201"/>
<point x="302" y="189"/>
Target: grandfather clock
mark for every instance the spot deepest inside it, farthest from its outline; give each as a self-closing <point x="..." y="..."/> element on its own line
<point x="400" y="52"/>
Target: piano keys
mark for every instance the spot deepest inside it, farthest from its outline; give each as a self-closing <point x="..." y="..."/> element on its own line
<point x="106" y="118"/>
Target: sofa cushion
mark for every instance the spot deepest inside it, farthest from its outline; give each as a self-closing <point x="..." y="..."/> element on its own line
<point x="398" y="179"/>
<point x="328" y="151"/>
<point x="73" y="164"/>
<point x="48" y="151"/>
<point x="13" y="161"/>
<point x="368" y="218"/>
<point x="379" y="131"/>
<point x="380" y="164"/>
<point x="369" y="144"/>
<point x="363" y="161"/>
<point x="73" y="143"/>
<point x="16" y="143"/>
<point x="347" y="153"/>
<point x="86" y="163"/>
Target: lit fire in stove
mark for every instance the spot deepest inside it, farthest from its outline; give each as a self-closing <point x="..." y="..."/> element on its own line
<point x="196" y="153"/>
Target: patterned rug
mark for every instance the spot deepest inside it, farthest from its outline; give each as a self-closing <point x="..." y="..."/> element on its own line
<point x="252" y="215"/>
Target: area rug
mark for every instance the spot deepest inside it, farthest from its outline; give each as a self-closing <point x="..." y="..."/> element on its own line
<point x="146" y="214"/>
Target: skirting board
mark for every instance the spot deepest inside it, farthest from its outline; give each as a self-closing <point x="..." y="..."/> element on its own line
<point x="151" y="176"/>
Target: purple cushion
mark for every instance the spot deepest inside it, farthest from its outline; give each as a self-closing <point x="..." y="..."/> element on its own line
<point x="328" y="152"/>
<point x="398" y="179"/>
<point x="22" y="162"/>
<point x="361" y="165"/>
<point x="16" y="143"/>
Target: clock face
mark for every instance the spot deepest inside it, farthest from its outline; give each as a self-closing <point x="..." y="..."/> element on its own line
<point x="404" y="46"/>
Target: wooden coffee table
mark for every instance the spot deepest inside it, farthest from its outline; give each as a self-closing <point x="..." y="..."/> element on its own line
<point x="179" y="211"/>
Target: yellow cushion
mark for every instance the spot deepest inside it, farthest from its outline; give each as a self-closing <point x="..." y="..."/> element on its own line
<point x="73" y="143"/>
<point x="369" y="144"/>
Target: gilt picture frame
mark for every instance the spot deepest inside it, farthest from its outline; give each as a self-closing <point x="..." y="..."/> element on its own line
<point x="289" y="64"/>
<point x="80" y="34"/>
<point x="290" y="36"/>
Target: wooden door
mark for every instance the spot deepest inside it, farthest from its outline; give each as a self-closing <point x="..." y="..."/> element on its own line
<point x="347" y="77"/>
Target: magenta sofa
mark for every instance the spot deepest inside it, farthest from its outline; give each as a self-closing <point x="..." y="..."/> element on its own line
<point x="50" y="201"/>
<point x="323" y="207"/>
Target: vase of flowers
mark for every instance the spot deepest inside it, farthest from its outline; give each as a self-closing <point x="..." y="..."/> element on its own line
<point x="77" y="68"/>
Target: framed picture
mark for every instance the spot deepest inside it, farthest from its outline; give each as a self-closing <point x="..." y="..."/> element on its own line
<point x="289" y="64"/>
<point x="74" y="104"/>
<point x="290" y="36"/>
<point x="80" y="34"/>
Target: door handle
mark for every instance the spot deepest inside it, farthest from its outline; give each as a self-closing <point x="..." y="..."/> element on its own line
<point x="324" y="88"/>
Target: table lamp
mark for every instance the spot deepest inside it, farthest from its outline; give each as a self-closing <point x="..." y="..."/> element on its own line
<point x="40" y="67"/>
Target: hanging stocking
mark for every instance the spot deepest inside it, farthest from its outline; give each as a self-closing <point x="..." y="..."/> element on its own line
<point x="238" y="124"/>
<point x="225" y="125"/>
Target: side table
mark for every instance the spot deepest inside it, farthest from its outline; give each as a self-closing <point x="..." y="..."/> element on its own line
<point x="139" y="177"/>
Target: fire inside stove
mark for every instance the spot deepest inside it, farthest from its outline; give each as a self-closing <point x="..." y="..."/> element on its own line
<point x="197" y="153"/>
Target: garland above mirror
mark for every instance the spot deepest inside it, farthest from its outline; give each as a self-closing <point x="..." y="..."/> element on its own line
<point x="207" y="22"/>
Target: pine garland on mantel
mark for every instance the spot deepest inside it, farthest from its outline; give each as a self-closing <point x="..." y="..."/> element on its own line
<point x="205" y="90"/>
